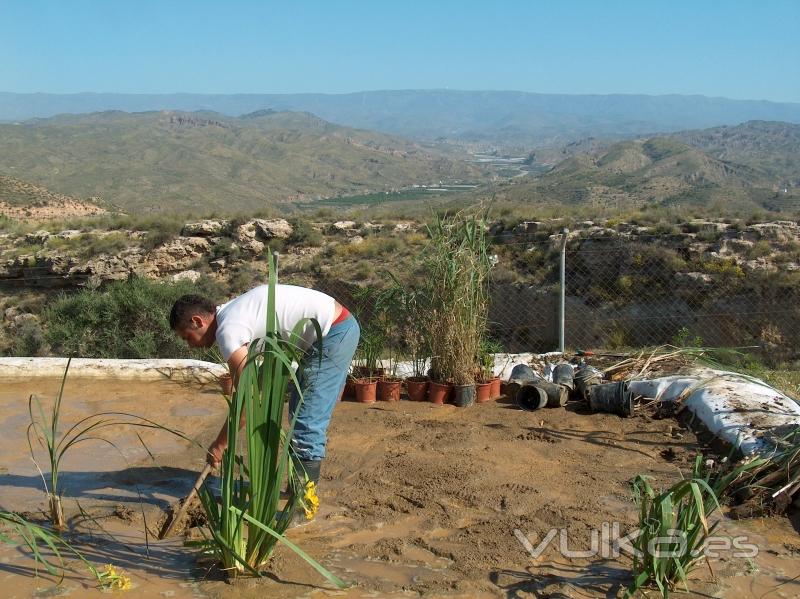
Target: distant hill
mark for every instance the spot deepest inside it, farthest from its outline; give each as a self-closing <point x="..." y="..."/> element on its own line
<point x="771" y="147"/>
<point x="662" y="170"/>
<point x="502" y="117"/>
<point x="24" y="200"/>
<point x="205" y="161"/>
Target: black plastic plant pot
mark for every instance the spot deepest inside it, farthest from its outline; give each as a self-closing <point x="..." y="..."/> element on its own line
<point x="531" y="397"/>
<point x="564" y="374"/>
<point x="611" y="398"/>
<point x="585" y="377"/>
<point x="557" y="395"/>
<point x="463" y="395"/>
<point x="523" y="373"/>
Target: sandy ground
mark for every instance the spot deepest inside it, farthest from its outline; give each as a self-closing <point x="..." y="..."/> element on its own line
<point x="418" y="500"/>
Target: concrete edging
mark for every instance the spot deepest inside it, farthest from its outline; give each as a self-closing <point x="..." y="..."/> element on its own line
<point x="112" y="369"/>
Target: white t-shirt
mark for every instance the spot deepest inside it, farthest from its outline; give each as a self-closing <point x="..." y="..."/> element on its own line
<point x="244" y="318"/>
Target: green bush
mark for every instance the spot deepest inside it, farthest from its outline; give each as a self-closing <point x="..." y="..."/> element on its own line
<point x="304" y="234"/>
<point x="129" y="319"/>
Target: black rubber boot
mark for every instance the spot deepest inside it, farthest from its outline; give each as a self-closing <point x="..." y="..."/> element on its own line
<point x="312" y="468"/>
<point x="312" y="471"/>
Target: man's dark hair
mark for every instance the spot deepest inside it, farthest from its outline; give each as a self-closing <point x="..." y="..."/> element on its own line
<point x="187" y="306"/>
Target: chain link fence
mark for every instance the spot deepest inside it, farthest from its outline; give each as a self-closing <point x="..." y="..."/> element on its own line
<point x="629" y="292"/>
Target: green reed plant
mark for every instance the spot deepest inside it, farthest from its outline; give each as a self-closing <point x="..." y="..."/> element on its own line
<point x="373" y="340"/>
<point x="16" y="530"/>
<point x="407" y="306"/>
<point x="457" y="265"/>
<point x="673" y="527"/>
<point x="44" y="432"/>
<point x="247" y="521"/>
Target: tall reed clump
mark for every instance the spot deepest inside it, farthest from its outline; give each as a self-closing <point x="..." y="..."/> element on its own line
<point x="457" y="265"/>
<point x="246" y="522"/>
<point x="673" y="526"/>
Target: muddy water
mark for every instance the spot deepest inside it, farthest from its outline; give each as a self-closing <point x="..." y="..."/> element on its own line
<point x="418" y="500"/>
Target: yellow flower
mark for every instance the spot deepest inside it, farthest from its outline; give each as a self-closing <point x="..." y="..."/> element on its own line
<point x="310" y="500"/>
<point x="110" y="579"/>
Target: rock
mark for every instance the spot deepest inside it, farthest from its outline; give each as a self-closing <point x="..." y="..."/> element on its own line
<point x="403" y="227"/>
<point x="782" y="231"/>
<point x="343" y="225"/>
<point x="276" y="228"/>
<point x="69" y="234"/>
<point x="10" y="313"/>
<point x="186" y="275"/>
<point x="204" y="228"/>
<point x="37" y="237"/>
<point x="698" y="248"/>
<point x="262" y="230"/>
<point x="252" y="246"/>
<point x="372" y="227"/>
<point x="760" y="264"/>
<point x="356" y="239"/>
<point x="735" y="246"/>
<point x="526" y="227"/>
<point x="178" y="254"/>
<point x="21" y="320"/>
<point x="218" y="264"/>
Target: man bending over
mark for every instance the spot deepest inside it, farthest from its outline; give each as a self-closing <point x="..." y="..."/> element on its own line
<point x="234" y="325"/>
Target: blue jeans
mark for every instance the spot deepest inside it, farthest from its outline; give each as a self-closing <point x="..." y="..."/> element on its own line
<point x="321" y="384"/>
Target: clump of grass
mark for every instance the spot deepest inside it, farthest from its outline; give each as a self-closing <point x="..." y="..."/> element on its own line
<point x="673" y="526"/>
<point x="246" y="523"/>
<point x="16" y="530"/>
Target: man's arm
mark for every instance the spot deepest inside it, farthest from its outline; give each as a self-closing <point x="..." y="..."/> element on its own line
<point x="235" y="365"/>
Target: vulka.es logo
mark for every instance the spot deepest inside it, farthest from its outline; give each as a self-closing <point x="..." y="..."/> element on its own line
<point x="609" y="543"/>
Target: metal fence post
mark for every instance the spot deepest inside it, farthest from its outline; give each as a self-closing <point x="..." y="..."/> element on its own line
<point x="275" y="260"/>
<point x="562" y="289"/>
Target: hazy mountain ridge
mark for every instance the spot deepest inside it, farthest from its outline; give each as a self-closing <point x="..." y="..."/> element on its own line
<point x="204" y="161"/>
<point x="667" y="169"/>
<point x="508" y="117"/>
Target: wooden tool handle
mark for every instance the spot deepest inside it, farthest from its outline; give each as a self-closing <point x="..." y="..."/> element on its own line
<point x="178" y="516"/>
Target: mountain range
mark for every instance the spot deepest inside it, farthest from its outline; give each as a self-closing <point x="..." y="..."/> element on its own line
<point x="506" y="118"/>
<point x="755" y="164"/>
<point x="202" y="161"/>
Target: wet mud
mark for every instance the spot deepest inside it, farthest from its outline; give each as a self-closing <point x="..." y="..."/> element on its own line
<point x="417" y="500"/>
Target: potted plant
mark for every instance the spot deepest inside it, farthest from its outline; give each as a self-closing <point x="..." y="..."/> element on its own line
<point x="366" y="368"/>
<point x="387" y="318"/>
<point x="457" y="263"/>
<point x="404" y="306"/>
<point x="487" y="386"/>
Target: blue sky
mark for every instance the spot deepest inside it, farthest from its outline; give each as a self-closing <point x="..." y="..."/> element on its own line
<point x="736" y="49"/>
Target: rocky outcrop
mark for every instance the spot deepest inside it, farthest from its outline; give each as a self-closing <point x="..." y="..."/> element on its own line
<point x="204" y="228"/>
<point x="252" y="235"/>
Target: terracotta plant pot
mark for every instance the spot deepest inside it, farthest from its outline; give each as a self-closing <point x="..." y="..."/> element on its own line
<point x="366" y="390"/>
<point x="439" y="393"/>
<point x="495" y="392"/>
<point x="417" y="388"/>
<point x="483" y="392"/>
<point x="389" y="389"/>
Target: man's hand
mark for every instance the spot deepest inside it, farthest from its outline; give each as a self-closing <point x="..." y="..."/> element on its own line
<point x="215" y="450"/>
